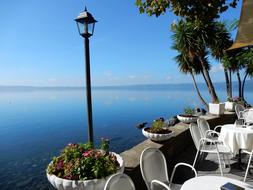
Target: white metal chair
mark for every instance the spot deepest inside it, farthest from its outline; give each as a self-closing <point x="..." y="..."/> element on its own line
<point x="119" y="181"/>
<point x="158" y="185"/>
<point x="247" y="115"/>
<point x="250" y="158"/>
<point x="153" y="167"/>
<point x="205" y="145"/>
<point x="174" y="171"/>
<point x="205" y="130"/>
<point x="239" y="110"/>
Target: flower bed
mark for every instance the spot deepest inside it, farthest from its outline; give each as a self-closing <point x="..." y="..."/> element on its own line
<point x="79" y="166"/>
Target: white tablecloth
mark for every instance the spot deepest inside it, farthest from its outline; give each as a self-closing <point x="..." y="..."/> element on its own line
<point x="236" y="137"/>
<point x="211" y="183"/>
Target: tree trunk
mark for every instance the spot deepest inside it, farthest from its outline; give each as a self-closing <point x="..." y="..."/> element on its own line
<point x="239" y="84"/>
<point x="209" y="82"/>
<point x="198" y="92"/>
<point x="227" y="83"/>
<point x="206" y="82"/>
<point x="243" y="83"/>
<point x="230" y="83"/>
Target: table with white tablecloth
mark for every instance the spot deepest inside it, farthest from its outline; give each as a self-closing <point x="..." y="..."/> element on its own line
<point x="237" y="137"/>
<point x="211" y="183"/>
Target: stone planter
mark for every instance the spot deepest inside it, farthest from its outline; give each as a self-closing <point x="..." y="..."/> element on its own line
<point x="216" y="108"/>
<point x="187" y="118"/>
<point x="95" y="184"/>
<point x="156" y="136"/>
<point x="230" y="106"/>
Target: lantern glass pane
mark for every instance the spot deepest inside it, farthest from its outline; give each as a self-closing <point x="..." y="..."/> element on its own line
<point x="80" y="27"/>
<point x="85" y="29"/>
<point x="90" y="28"/>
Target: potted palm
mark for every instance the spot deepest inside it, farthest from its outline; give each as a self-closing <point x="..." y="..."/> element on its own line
<point x="188" y="117"/>
<point x="158" y="131"/>
<point x="80" y="166"/>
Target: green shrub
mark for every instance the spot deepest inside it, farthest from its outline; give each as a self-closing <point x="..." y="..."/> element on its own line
<point x="82" y="162"/>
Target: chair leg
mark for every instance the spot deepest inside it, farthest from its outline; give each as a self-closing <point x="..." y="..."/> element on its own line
<point x="247" y="170"/>
<point x="227" y="157"/>
<point x="202" y="156"/>
<point x="220" y="164"/>
<point x="193" y="165"/>
<point x="224" y="160"/>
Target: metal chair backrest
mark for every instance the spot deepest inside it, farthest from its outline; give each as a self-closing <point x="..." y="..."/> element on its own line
<point x="119" y="181"/>
<point x="203" y="126"/>
<point x="238" y="110"/>
<point x="196" y="134"/>
<point x="248" y="116"/>
<point x="153" y="166"/>
<point x="183" y="175"/>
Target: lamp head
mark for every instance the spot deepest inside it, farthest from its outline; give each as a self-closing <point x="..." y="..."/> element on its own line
<point x="85" y="23"/>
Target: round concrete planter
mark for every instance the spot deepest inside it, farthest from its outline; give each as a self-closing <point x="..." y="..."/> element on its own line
<point x="95" y="184"/>
<point x="187" y="118"/>
<point x="156" y="136"/>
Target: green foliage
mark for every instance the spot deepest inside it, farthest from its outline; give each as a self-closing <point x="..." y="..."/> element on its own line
<point x="203" y="11"/>
<point x="194" y="39"/>
<point x="237" y="100"/>
<point x="233" y="24"/>
<point x="221" y="41"/>
<point x="197" y="33"/>
<point x="187" y="64"/>
<point x="105" y="144"/>
<point x="245" y="59"/>
<point x="157" y="125"/>
<point x="239" y="59"/>
<point x="82" y="162"/>
<point x="189" y="110"/>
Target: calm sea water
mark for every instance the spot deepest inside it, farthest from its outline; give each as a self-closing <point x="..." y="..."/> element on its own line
<point x="36" y="124"/>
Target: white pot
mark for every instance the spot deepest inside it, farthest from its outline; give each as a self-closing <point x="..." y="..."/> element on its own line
<point x="157" y="137"/>
<point x="95" y="184"/>
<point x="216" y="109"/>
<point x="230" y="106"/>
<point x="187" y="119"/>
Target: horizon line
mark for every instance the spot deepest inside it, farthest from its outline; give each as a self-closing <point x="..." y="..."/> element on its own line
<point x="103" y="86"/>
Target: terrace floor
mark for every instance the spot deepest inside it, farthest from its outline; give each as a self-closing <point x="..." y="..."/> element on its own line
<point x="209" y="166"/>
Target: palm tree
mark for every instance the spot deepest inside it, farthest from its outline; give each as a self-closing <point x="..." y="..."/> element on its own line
<point x="245" y="59"/>
<point x="235" y="65"/>
<point x="218" y="47"/>
<point x="193" y="38"/>
<point x="225" y="61"/>
<point x="187" y="67"/>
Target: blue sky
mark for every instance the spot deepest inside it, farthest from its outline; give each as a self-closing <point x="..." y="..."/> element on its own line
<point x="40" y="44"/>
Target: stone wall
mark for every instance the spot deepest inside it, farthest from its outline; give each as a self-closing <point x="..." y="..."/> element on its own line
<point x="171" y="148"/>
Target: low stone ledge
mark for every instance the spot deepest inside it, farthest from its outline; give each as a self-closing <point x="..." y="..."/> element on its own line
<point x="131" y="156"/>
<point x="227" y="118"/>
<point x="170" y="148"/>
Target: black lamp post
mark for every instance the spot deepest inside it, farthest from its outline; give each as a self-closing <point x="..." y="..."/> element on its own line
<point x="86" y="23"/>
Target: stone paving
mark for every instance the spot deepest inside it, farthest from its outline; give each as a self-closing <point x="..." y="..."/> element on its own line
<point x="209" y="166"/>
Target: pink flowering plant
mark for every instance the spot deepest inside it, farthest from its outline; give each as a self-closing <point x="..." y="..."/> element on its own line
<point x="83" y="162"/>
<point x="235" y="99"/>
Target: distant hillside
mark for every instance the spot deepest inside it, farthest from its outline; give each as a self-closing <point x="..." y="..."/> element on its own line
<point x="181" y="86"/>
<point x="161" y="87"/>
<point x="35" y="88"/>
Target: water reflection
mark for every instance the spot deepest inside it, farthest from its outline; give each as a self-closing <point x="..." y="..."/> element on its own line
<point x="35" y="125"/>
